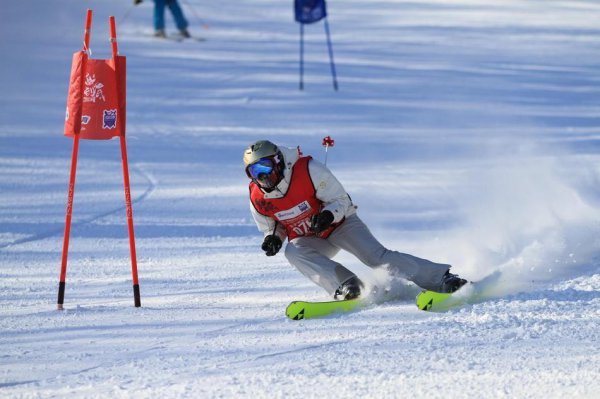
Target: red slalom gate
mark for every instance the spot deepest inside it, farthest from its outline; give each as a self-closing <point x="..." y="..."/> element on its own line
<point x="96" y="107"/>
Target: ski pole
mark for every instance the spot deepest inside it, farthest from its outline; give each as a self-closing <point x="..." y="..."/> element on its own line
<point x="202" y="22"/>
<point x="301" y="56"/>
<point x="331" y="62"/>
<point x="327" y="142"/>
<point x="126" y="15"/>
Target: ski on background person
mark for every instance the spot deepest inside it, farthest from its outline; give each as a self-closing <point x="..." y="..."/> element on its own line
<point x="179" y="39"/>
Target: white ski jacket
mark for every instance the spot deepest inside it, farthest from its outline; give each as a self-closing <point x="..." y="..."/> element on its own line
<point x="328" y="190"/>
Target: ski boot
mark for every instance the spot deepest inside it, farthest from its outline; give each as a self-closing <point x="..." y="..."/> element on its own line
<point x="350" y="289"/>
<point x="183" y="33"/>
<point x="451" y="282"/>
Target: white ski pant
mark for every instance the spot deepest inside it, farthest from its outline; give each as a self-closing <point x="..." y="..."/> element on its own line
<point x="312" y="257"/>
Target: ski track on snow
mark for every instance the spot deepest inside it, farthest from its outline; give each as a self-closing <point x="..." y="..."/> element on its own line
<point x="151" y="187"/>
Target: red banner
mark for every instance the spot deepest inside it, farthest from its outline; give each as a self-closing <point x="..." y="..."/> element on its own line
<point x="96" y="101"/>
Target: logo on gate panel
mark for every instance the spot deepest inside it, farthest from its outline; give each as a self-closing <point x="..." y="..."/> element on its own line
<point x="109" y="119"/>
<point x="93" y="89"/>
<point x="293" y="212"/>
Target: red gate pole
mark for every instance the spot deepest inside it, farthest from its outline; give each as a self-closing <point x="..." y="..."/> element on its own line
<point x="70" y="195"/>
<point x="129" y="208"/>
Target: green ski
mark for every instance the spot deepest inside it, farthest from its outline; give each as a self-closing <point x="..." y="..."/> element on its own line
<point x="470" y="293"/>
<point x="299" y="310"/>
<point x="430" y="300"/>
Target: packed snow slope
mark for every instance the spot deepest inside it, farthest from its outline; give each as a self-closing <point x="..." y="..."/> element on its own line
<point x="466" y="131"/>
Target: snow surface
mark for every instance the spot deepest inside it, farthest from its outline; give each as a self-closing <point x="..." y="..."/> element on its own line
<point x="466" y="131"/>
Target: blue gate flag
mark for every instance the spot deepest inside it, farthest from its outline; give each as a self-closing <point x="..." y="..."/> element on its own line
<point x="309" y="11"/>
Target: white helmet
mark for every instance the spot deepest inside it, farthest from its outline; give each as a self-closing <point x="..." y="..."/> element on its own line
<point x="264" y="164"/>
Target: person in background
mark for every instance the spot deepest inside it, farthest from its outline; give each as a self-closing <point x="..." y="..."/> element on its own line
<point x="295" y="197"/>
<point x="159" y="17"/>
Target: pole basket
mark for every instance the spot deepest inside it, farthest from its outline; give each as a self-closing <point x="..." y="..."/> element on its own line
<point x="328" y="141"/>
<point x="96" y="108"/>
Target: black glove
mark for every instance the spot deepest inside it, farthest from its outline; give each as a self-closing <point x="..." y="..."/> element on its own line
<point x="271" y="245"/>
<point x="321" y="222"/>
<point x="136" y="2"/>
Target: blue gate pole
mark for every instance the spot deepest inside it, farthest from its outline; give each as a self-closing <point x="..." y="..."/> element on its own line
<point x="333" y="74"/>
<point x="301" y="56"/>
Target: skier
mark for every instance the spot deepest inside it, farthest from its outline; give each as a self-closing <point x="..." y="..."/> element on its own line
<point x="295" y="197"/>
<point x="159" y="17"/>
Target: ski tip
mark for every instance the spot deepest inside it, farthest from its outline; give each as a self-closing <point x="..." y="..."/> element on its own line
<point x="422" y="302"/>
<point x="427" y="300"/>
<point x="295" y="311"/>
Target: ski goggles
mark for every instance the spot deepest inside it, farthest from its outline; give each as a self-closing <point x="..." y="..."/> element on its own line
<point x="263" y="166"/>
